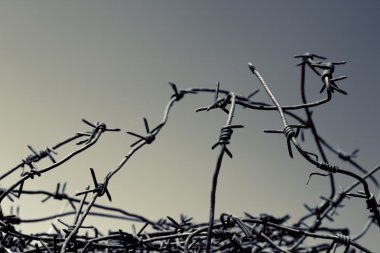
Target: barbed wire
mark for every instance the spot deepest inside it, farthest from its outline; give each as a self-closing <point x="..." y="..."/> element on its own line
<point x="264" y="233"/>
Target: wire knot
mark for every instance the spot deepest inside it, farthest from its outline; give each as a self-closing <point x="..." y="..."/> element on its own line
<point x="329" y="83"/>
<point x="236" y="240"/>
<point x="343" y="239"/>
<point x="289" y="134"/>
<point x="150" y="134"/>
<point x="345" y="156"/>
<point x="308" y="58"/>
<point x="99" y="188"/>
<point x="371" y="203"/>
<point x="12" y="219"/>
<point x="225" y="137"/>
<point x="149" y="138"/>
<point x="37" y="156"/>
<point x="220" y="103"/>
<point x="29" y="174"/>
<point x="129" y="239"/>
<point x="32" y="173"/>
<point x="328" y="167"/>
<point x="227" y="221"/>
<point x="101" y="126"/>
<point x="178" y="94"/>
<point x="220" y="233"/>
<point x="97" y="128"/>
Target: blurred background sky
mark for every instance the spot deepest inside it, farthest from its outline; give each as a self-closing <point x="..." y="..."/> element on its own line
<point x="110" y="61"/>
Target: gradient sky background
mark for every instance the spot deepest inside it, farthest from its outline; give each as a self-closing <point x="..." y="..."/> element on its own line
<point x="111" y="61"/>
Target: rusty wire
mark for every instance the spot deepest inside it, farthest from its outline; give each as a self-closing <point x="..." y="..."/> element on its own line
<point x="263" y="233"/>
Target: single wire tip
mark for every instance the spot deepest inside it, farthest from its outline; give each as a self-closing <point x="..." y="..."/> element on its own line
<point x="251" y="67"/>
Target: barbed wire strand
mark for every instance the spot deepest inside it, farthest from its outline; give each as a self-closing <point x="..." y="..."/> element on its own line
<point x="263" y="234"/>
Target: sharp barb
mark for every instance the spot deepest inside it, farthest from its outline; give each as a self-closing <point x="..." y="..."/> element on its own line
<point x="225" y="110"/>
<point x="135" y="135"/>
<point x="157" y="127"/>
<point x="269" y="131"/>
<point x="253" y="93"/>
<point x="340" y="91"/>
<point x="135" y="143"/>
<point x="339" y="62"/>
<point x="174" y="87"/>
<point x="290" y="148"/>
<point x="146" y="125"/>
<point x="339" y="78"/>
<point x="10" y="198"/>
<point x="82" y="142"/>
<point x="45" y="199"/>
<point x="173" y="221"/>
<point x="72" y="204"/>
<point x="51" y="157"/>
<point x="323" y="88"/>
<point x="88" y="123"/>
<point x="94" y="177"/>
<point x="305" y="205"/>
<point x="201" y="109"/>
<point x="235" y="126"/>
<point x="315" y="71"/>
<point x="81" y="193"/>
<point x="108" y="195"/>
<point x="319" y="56"/>
<point x="228" y="152"/>
<point x="32" y="149"/>
<point x="57" y="189"/>
<point x="64" y="187"/>
<point x="20" y="190"/>
<point x="214" y="146"/>
<point x="217" y="92"/>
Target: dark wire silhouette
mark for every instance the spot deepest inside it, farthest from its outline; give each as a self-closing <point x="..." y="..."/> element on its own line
<point x="263" y="233"/>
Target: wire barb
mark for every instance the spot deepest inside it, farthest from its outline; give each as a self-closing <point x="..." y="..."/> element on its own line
<point x="100" y="188"/>
<point x="264" y="233"/>
<point x="149" y="137"/>
<point x="225" y="137"/>
<point x="329" y="83"/>
<point x="220" y="103"/>
<point x="328" y="167"/>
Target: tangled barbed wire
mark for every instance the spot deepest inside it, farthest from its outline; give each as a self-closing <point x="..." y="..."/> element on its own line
<point x="228" y="233"/>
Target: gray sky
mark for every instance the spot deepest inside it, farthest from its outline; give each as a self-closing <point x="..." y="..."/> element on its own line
<point x="111" y="61"/>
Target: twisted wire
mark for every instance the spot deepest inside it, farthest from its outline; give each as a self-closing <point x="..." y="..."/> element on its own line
<point x="328" y="167"/>
<point x="267" y="234"/>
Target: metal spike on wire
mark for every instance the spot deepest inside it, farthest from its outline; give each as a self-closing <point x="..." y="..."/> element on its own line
<point x="230" y="234"/>
<point x="100" y="188"/>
